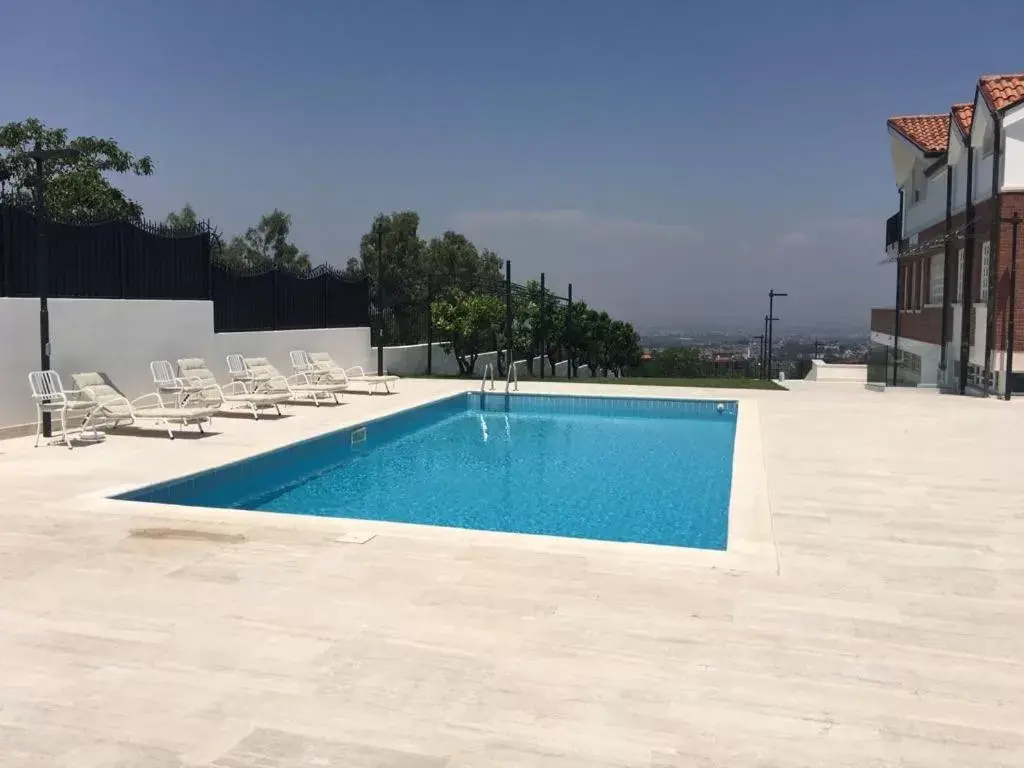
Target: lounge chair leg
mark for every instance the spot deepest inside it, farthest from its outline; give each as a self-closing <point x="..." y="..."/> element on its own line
<point x="277" y="408"/>
<point x="64" y="427"/>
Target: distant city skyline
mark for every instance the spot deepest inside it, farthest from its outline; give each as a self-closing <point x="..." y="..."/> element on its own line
<point x="673" y="161"/>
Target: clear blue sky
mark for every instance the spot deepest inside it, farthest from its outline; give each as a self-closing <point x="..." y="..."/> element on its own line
<point x="674" y="160"/>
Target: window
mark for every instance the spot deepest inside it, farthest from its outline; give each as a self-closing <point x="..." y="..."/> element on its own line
<point x="937" y="279"/>
<point x="985" y="254"/>
<point x="960" y="275"/>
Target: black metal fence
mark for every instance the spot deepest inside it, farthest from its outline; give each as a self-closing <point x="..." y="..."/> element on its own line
<point x="105" y="260"/>
<point x="139" y="260"/>
<point x="519" y="335"/>
<point x="276" y="299"/>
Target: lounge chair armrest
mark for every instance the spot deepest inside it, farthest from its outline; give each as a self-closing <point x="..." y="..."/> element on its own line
<point x="150" y="400"/>
<point x="298" y="378"/>
<point x="233" y="388"/>
<point x="356" y="371"/>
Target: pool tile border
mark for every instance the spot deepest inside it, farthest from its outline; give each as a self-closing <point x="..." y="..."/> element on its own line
<point x="751" y="544"/>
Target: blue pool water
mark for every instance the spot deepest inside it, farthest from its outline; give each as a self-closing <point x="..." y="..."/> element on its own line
<point x="618" y="469"/>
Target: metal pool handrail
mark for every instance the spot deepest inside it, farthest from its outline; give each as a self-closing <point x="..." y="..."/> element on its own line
<point x="487" y="368"/>
<point x="513" y="375"/>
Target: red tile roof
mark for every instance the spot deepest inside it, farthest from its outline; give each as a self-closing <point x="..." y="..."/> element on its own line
<point x="963" y="114"/>
<point x="1002" y="91"/>
<point x="929" y="132"/>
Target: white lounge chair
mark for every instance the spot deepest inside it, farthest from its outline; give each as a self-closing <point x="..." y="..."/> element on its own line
<point x="194" y="373"/>
<point x="323" y="361"/>
<point x="260" y="376"/>
<point x="112" y="408"/>
<point x="168" y="384"/>
<point x="317" y="370"/>
<point x="50" y="397"/>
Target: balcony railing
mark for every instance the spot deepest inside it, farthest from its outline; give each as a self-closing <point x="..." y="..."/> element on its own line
<point x="893" y="233"/>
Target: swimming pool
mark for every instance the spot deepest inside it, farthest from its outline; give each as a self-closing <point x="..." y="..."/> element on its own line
<point x="655" y="471"/>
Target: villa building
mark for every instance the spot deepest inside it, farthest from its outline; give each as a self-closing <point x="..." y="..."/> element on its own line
<point x="960" y="177"/>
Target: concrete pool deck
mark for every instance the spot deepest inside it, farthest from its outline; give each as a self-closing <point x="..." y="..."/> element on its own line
<point x="888" y="632"/>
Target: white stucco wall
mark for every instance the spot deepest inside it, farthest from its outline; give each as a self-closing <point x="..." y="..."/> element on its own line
<point x="120" y="338"/>
<point x="1013" y="149"/>
<point x="822" y="371"/>
<point x="959" y="170"/>
<point x="930" y="210"/>
<point x="982" y="177"/>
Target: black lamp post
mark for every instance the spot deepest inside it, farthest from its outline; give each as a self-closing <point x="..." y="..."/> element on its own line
<point x="380" y="295"/>
<point x="43" y="257"/>
<point x="764" y="350"/>
<point x="772" y="296"/>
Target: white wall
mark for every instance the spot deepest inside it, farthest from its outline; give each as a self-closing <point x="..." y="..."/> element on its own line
<point x="19" y="324"/>
<point x="930" y="210"/>
<point x="822" y="371"/>
<point x="411" y="360"/>
<point x="120" y="338"/>
<point x="982" y="177"/>
<point x="959" y="170"/>
<point x="1013" y="149"/>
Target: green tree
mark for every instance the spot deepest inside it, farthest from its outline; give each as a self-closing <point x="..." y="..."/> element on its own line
<point x="470" y="325"/>
<point x="454" y="262"/>
<point x="186" y="219"/>
<point x="76" y="187"/>
<point x="353" y="269"/>
<point x="402" y="274"/>
<point x="623" y="346"/>
<point x="267" y="245"/>
<point x="674" y="362"/>
<point x="402" y="292"/>
<point x="595" y="333"/>
<point x="540" y="322"/>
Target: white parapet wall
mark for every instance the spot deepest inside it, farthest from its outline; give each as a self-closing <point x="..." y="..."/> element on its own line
<point x="121" y="337"/>
<point x="411" y="360"/>
<point x="850" y="374"/>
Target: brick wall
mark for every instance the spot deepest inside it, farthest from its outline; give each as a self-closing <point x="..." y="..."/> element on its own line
<point x="1010" y="203"/>
<point x="924" y="325"/>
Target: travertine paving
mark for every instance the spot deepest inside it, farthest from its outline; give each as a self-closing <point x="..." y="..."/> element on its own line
<point x="888" y="632"/>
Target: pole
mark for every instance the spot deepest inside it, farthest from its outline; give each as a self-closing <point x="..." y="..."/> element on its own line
<point x="772" y="295"/>
<point x="380" y="295"/>
<point x="1011" y="323"/>
<point x="764" y="350"/>
<point x="543" y="302"/>
<point x="508" y="319"/>
<point x="430" y="324"/>
<point x="568" y="335"/>
<point x="43" y="281"/>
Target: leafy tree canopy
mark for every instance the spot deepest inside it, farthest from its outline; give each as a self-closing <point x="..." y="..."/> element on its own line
<point x="471" y="323"/>
<point x="75" y="187"/>
<point x="267" y="245"/>
<point x="184" y="220"/>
